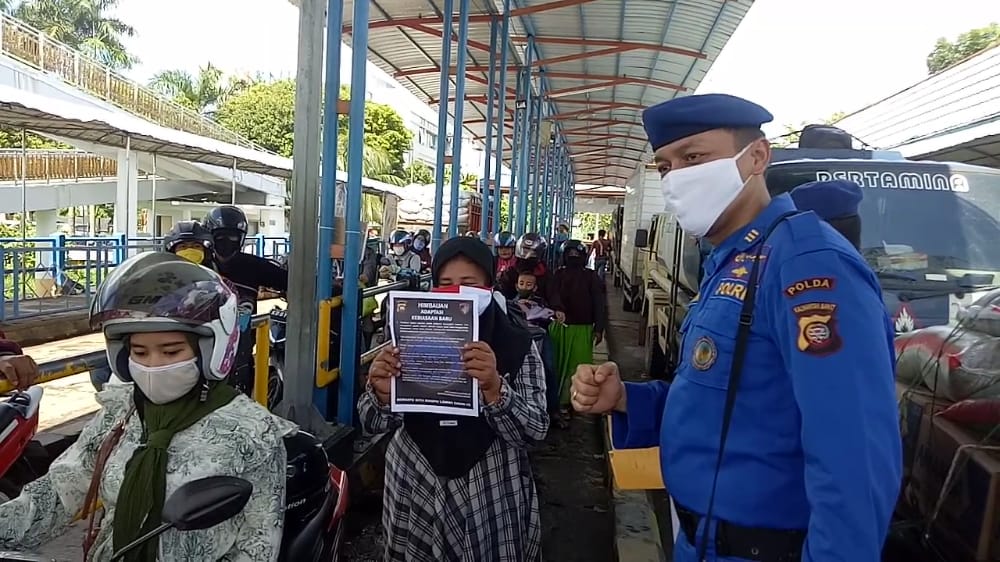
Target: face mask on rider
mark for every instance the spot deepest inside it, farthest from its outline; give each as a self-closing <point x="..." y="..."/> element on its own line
<point x="193" y="255"/>
<point x="700" y="194"/>
<point x="398" y="249"/>
<point x="167" y="383"/>
<point x="418" y="245"/>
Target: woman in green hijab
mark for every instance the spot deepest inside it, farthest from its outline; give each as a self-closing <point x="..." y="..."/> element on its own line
<point x="171" y="333"/>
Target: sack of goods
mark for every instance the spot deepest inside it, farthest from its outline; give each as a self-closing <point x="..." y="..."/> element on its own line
<point x="417" y="205"/>
<point x="954" y="363"/>
<point x="983" y="315"/>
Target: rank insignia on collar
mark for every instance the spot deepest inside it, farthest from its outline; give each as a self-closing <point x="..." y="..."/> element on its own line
<point x="817" y="323"/>
<point x="704" y="354"/>
<point x="751" y="236"/>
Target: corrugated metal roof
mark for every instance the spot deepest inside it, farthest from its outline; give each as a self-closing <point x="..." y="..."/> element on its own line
<point x="602" y="60"/>
<point x="961" y="104"/>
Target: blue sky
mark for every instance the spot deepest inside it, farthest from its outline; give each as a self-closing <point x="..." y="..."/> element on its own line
<point x="802" y="59"/>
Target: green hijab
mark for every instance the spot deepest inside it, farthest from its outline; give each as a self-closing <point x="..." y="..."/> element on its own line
<point x="143" y="489"/>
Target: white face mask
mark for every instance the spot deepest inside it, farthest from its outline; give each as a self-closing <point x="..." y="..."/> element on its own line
<point x="700" y="194"/>
<point x="165" y="384"/>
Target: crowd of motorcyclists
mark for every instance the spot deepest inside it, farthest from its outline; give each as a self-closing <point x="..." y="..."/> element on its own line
<point x="177" y="325"/>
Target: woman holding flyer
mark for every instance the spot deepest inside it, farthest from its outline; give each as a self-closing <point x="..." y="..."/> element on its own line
<point x="459" y="488"/>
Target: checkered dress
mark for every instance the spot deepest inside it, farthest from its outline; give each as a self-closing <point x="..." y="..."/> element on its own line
<point x="490" y="515"/>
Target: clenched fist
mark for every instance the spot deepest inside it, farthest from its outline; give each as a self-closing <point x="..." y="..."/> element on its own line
<point x="597" y="389"/>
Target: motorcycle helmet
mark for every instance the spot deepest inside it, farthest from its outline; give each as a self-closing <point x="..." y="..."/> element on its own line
<point x="531" y="246"/>
<point x="400" y="241"/>
<point x="191" y="241"/>
<point x="573" y="252"/>
<point x="162" y="292"/>
<point x="228" y="225"/>
<point x="506" y="239"/>
<point x="421" y="240"/>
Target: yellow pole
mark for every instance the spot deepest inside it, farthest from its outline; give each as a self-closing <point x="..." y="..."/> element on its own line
<point x="261" y="362"/>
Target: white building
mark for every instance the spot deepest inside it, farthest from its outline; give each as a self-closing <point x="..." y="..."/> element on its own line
<point x="422" y="120"/>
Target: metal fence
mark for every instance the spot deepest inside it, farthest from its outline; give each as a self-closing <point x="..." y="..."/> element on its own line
<point x="60" y="273"/>
<point x="57" y="165"/>
<point x="32" y="47"/>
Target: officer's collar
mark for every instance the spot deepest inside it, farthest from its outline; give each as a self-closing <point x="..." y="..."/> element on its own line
<point x="749" y="235"/>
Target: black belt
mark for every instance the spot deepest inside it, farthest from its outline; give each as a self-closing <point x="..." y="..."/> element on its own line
<point x="752" y="543"/>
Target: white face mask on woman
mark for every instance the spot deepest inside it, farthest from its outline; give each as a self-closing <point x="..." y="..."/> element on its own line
<point x="700" y="194"/>
<point x="167" y="383"/>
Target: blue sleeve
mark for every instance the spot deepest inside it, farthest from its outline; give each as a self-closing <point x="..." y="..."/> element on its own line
<point x="640" y="427"/>
<point x="836" y="343"/>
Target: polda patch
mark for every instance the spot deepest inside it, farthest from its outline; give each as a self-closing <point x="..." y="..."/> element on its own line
<point x="810" y="284"/>
<point x="818" y="333"/>
<point x="704" y="354"/>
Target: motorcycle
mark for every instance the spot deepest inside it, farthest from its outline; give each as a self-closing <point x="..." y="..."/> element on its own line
<point x="20" y="454"/>
<point x="316" y="500"/>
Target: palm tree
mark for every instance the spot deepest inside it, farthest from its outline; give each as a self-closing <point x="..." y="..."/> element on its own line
<point x="204" y="93"/>
<point x="82" y="24"/>
<point x="376" y="164"/>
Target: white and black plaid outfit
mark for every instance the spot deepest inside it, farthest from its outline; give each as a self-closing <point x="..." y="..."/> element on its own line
<point x="489" y="515"/>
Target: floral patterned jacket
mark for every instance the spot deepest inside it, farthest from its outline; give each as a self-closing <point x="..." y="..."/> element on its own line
<point x="240" y="439"/>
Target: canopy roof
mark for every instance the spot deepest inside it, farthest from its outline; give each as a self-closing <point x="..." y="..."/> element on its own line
<point x="598" y="63"/>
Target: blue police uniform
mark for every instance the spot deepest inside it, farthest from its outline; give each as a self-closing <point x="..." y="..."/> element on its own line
<point x="814" y="442"/>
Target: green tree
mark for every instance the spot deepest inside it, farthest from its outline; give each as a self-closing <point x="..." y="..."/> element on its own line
<point x="419" y="173"/>
<point x="11" y="138"/>
<point x="84" y="25"/>
<point x="792" y="132"/>
<point x="263" y="113"/>
<point x="949" y="53"/>
<point x="376" y="164"/>
<point x="384" y="129"/>
<point x="203" y="93"/>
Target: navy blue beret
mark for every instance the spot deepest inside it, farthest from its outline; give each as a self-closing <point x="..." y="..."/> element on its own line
<point x="683" y="117"/>
<point x="829" y="199"/>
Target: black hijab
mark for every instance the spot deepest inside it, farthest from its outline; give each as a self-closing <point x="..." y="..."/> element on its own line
<point x="453" y="445"/>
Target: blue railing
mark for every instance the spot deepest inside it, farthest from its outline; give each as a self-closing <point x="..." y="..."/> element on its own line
<point x="47" y="275"/>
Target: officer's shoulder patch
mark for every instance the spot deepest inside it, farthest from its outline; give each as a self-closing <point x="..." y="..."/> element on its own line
<point x="818" y="333"/>
<point x="704" y="354"/>
<point x="809" y="284"/>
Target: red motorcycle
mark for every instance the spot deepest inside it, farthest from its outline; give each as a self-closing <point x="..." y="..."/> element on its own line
<point x="18" y="450"/>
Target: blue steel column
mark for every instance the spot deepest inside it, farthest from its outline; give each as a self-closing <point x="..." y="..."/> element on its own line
<point x="449" y="7"/>
<point x="502" y="117"/>
<point x="456" y="143"/>
<point x="536" y="163"/>
<point x="522" y="143"/>
<point x="328" y="185"/>
<point x="349" y="351"/>
<point x="515" y="155"/>
<point x="484" y="184"/>
<point x="546" y="194"/>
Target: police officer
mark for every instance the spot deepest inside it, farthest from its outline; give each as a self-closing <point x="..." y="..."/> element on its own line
<point x="248" y="274"/>
<point x="779" y="438"/>
<point x="836" y="202"/>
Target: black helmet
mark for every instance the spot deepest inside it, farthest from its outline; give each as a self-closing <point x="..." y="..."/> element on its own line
<point x="228" y="225"/>
<point x="531" y="246"/>
<point x="189" y="232"/>
<point x="573" y="251"/>
<point x="400" y="236"/>
<point x="161" y="292"/>
<point x="506" y="239"/>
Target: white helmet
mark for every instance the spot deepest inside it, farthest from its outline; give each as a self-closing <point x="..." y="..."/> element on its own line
<point x="162" y="292"/>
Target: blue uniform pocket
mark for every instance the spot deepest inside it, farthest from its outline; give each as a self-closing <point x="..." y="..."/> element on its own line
<point x="709" y="342"/>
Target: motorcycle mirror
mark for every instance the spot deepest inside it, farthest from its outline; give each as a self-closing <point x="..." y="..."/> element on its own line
<point x="206" y="502"/>
<point x="197" y="505"/>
